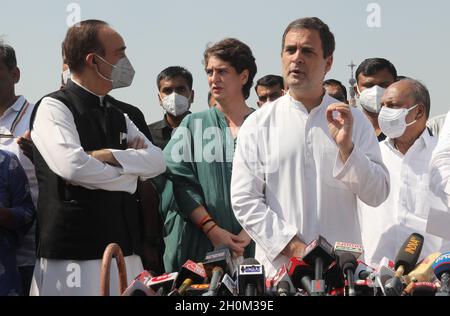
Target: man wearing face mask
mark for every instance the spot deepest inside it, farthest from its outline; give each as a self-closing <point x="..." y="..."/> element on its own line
<point x="89" y="157"/>
<point x="406" y="153"/>
<point x="175" y="97"/>
<point x="373" y="76"/>
<point x="147" y="194"/>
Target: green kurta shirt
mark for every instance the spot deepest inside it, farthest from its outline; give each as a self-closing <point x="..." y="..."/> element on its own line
<point x="199" y="162"/>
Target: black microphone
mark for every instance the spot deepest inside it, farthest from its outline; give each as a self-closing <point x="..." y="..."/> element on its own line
<point x="301" y="274"/>
<point x="283" y="288"/>
<point x="220" y="257"/>
<point x="405" y="262"/>
<point x="319" y="254"/>
<point x="347" y="263"/>
<point x="283" y="276"/>
<point x="334" y="280"/>
<point x="251" y="278"/>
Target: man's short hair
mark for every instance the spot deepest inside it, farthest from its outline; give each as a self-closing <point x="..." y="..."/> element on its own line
<point x="270" y="81"/>
<point x="238" y="55"/>
<point x="82" y="39"/>
<point x="175" y="71"/>
<point x="326" y="36"/>
<point x="8" y="55"/>
<point x="372" y="66"/>
<point x="420" y="94"/>
<point x="337" y="83"/>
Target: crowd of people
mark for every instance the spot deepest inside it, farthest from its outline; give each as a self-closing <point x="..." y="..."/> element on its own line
<point x="82" y="170"/>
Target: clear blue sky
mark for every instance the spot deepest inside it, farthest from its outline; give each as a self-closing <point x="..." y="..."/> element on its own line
<point x="413" y="35"/>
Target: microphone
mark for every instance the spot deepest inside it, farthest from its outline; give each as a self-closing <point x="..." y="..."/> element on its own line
<point x="215" y="264"/>
<point x="301" y="274"/>
<point x="163" y="284"/>
<point x="347" y="263"/>
<point x="139" y="286"/>
<point x="251" y="278"/>
<point x="347" y="255"/>
<point x="227" y="287"/>
<point x="363" y="271"/>
<point x="283" y="288"/>
<point x="405" y="262"/>
<point x="283" y="276"/>
<point x="334" y="280"/>
<point x="318" y="253"/>
<point x="197" y="290"/>
<point x="217" y="275"/>
<point x="190" y="273"/>
<point x="441" y="269"/>
<point x="220" y="257"/>
<point x="354" y="249"/>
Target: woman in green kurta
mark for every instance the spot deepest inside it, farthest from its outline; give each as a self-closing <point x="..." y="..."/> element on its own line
<point x="200" y="153"/>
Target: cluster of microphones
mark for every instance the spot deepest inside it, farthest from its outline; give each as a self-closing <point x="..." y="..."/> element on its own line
<point x="324" y="270"/>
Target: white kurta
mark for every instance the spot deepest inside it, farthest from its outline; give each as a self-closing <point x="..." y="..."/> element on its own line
<point x="55" y="136"/>
<point x="386" y="227"/>
<point x="440" y="165"/>
<point x="288" y="178"/>
<point x="17" y="122"/>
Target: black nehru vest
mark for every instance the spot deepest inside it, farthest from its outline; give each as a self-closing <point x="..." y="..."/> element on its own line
<point x="75" y="223"/>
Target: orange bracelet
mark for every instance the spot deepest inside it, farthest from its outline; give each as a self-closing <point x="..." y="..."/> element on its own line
<point x="209" y="230"/>
<point x="203" y="221"/>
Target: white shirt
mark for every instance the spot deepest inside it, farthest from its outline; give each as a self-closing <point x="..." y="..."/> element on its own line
<point x="386" y="227"/>
<point x="16" y="121"/>
<point x="289" y="180"/>
<point x="22" y="124"/>
<point x="436" y="123"/>
<point x="55" y="136"/>
<point x="440" y="165"/>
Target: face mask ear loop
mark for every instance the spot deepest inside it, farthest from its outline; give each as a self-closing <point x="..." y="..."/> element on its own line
<point x="409" y="110"/>
<point x="98" y="72"/>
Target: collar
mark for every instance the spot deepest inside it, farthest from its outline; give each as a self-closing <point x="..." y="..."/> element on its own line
<point x="425" y="139"/>
<point x="84" y="93"/>
<point x="17" y="106"/>
<point x="326" y="100"/>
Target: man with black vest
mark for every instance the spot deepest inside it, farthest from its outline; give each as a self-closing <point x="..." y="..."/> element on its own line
<point x="89" y="157"/>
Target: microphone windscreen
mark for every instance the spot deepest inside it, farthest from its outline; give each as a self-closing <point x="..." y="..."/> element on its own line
<point x="409" y="253"/>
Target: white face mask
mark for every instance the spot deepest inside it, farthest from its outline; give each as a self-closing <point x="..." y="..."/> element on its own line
<point x="66" y="76"/>
<point x="122" y="74"/>
<point x="393" y="121"/>
<point x="370" y="99"/>
<point x="175" y="104"/>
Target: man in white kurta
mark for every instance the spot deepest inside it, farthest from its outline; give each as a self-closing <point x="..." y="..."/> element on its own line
<point x="302" y="161"/>
<point x="57" y="139"/>
<point x="407" y="157"/>
<point x="440" y="165"/>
